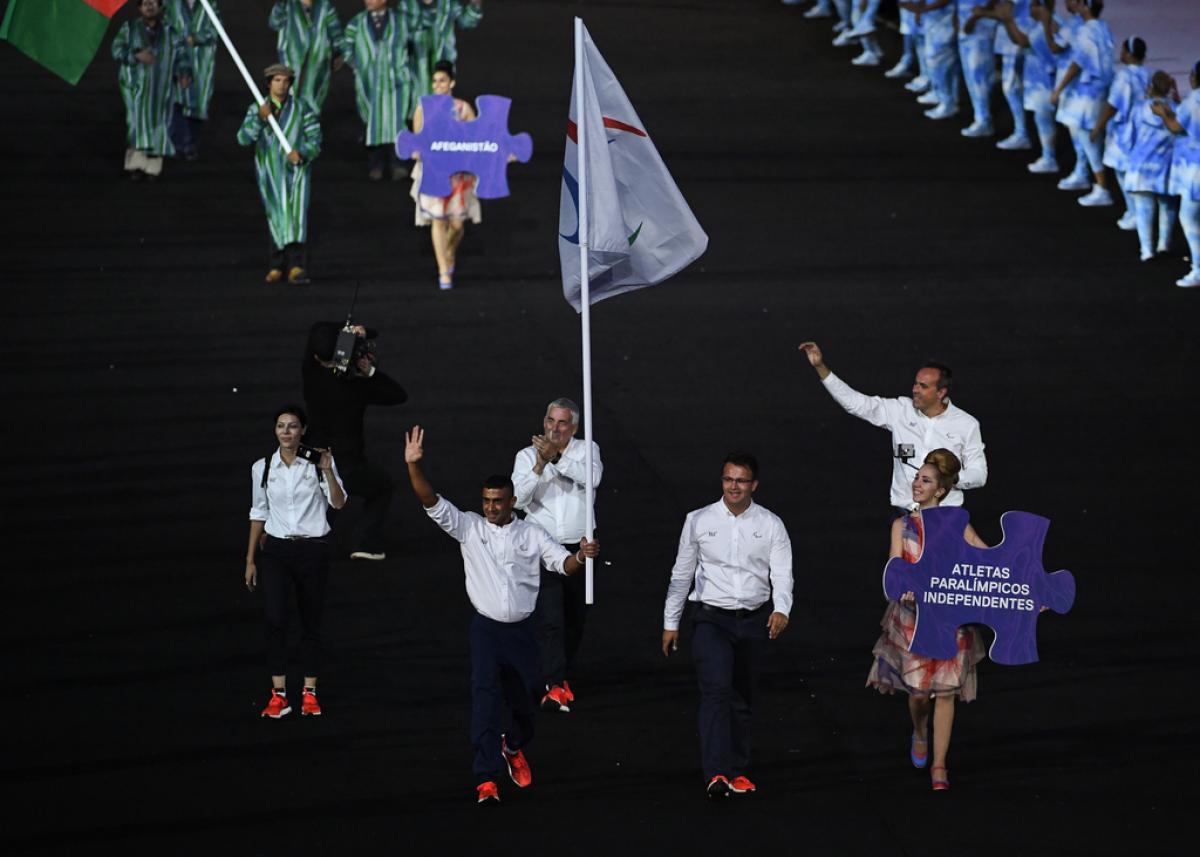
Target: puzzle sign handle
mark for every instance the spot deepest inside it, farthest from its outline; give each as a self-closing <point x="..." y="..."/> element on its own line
<point x="481" y="146"/>
<point x="955" y="583"/>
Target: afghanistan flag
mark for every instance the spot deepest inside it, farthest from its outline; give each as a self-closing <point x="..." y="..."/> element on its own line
<point x="62" y="35"/>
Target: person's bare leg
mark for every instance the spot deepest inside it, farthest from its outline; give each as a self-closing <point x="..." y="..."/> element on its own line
<point x="457" y="231"/>
<point x="918" y="709"/>
<point x="943" y="724"/>
<point x="310" y="681"/>
<point x="439" y="233"/>
<point x="279" y="682"/>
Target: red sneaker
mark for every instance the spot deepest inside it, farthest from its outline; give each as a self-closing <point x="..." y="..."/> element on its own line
<point x="277" y="706"/>
<point x="310" y="705"/>
<point x="718" y="786"/>
<point x="518" y="767"/>
<point x="487" y="793"/>
<point x="742" y="786"/>
<point x="556" y="697"/>
<point x="566" y="686"/>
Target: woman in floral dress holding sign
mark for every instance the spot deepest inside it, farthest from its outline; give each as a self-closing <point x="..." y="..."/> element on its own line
<point x="929" y="683"/>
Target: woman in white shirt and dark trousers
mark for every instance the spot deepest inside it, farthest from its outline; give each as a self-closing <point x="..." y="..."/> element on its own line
<point x="288" y="550"/>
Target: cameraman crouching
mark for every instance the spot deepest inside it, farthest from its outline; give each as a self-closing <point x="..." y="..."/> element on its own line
<point x="339" y="383"/>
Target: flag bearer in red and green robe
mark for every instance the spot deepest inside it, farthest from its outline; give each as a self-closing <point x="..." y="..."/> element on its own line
<point x="153" y="61"/>
<point x="283" y="177"/>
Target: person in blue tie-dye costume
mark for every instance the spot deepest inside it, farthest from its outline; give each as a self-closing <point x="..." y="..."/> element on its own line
<point x="1039" y="67"/>
<point x="908" y="54"/>
<point x="976" y="40"/>
<point x="1184" y="180"/>
<point x="1079" y="94"/>
<point x="941" y="53"/>
<point x="1115" y="126"/>
<point x="1149" y="166"/>
<point x="1012" y="65"/>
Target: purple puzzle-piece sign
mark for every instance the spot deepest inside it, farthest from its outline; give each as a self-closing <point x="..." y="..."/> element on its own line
<point x="480" y="146"/>
<point x="1003" y="587"/>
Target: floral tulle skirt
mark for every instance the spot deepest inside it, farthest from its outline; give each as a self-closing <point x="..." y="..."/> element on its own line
<point x="896" y="669"/>
<point x="461" y="204"/>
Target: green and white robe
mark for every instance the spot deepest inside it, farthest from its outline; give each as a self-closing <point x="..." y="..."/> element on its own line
<point x="149" y="90"/>
<point x="202" y="53"/>
<point x="382" y="78"/>
<point x="432" y="27"/>
<point x="307" y="41"/>
<point x="284" y="187"/>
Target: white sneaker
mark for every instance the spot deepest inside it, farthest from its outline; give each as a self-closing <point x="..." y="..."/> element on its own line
<point x="862" y="28"/>
<point x="1075" y="182"/>
<point x="1013" y="142"/>
<point x="368" y="555"/>
<point x="1128" y="222"/>
<point x="942" y="111"/>
<point x="817" y="11"/>
<point x="928" y="97"/>
<point x="920" y="83"/>
<point x="866" y="58"/>
<point x="1043" y="165"/>
<point x="1146" y="255"/>
<point x="842" y="39"/>
<point x="977" y="129"/>
<point x="900" y="69"/>
<point x="1191" y="281"/>
<point x="839" y="26"/>
<point x="1097" y="198"/>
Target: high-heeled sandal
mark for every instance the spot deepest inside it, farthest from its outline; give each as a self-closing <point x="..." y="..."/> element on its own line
<point x="940" y="784"/>
<point x="919" y="760"/>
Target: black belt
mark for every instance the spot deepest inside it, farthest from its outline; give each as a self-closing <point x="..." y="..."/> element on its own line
<point x="739" y="613"/>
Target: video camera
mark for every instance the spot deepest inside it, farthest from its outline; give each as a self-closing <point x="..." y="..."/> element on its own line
<point x="350" y="347"/>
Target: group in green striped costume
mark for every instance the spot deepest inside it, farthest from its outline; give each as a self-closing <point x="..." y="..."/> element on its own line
<point x="283" y="178"/>
<point x="187" y="17"/>
<point x="432" y="24"/>
<point x="152" y="57"/>
<point x="310" y="43"/>
<point x="375" y="45"/>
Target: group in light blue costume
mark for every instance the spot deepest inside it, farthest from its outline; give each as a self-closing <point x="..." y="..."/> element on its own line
<point x="1116" y="126"/>
<point x="940" y="45"/>
<point x="1184" y="180"/>
<point x="976" y="49"/>
<point x="1080" y="94"/>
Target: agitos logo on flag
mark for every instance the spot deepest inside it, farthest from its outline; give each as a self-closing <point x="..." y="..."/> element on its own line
<point x="62" y="35"/>
<point x="640" y="229"/>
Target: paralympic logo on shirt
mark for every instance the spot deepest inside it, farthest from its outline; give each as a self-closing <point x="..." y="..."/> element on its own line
<point x="572" y="183"/>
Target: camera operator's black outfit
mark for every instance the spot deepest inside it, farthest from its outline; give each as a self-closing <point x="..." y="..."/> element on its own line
<point x="336" y="406"/>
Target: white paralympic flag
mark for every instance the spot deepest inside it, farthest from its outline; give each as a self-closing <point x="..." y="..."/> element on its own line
<point x="640" y="230"/>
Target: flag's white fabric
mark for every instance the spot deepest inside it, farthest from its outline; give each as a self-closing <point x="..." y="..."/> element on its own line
<point x="641" y="230"/>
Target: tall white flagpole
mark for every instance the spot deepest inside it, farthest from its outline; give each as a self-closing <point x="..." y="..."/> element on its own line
<point x="237" y="59"/>
<point x="585" y="300"/>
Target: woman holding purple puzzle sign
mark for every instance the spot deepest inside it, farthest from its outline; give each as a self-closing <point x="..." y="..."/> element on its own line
<point x="930" y="684"/>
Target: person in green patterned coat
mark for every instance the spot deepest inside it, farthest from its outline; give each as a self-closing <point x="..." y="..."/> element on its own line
<point x="152" y="58"/>
<point x="187" y="17"/>
<point x="375" y="45"/>
<point x="309" y="41"/>
<point x="283" y="179"/>
<point x="432" y="24"/>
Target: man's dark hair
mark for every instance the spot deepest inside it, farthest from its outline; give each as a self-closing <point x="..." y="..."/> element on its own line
<point x="443" y="65"/>
<point x="742" y="459"/>
<point x="500" y="481"/>
<point x="292" y="408"/>
<point x="945" y="376"/>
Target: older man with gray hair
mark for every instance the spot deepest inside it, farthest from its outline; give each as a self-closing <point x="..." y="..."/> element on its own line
<point x="550" y="477"/>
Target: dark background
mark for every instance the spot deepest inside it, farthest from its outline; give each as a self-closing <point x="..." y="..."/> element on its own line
<point x="144" y="357"/>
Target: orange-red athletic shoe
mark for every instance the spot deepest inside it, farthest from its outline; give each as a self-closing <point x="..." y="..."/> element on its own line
<point x="277" y="706"/>
<point x="310" y="706"/>
<point x="566" y="686"/>
<point x="742" y="786"/>
<point x="556" y="698"/>
<point x="487" y="793"/>
<point x="718" y="786"/>
<point x="518" y="766"/>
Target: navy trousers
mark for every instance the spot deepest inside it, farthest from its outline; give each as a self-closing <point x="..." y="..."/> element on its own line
<point x="504" y="669"/>
<point x="728" y="649"/>
<point x="561" y="611"/>
<point x="300" y="566"/>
